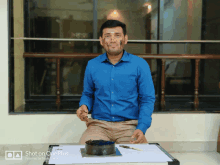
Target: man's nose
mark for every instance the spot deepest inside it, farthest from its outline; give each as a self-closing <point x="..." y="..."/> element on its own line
<point x="113" y="38"/>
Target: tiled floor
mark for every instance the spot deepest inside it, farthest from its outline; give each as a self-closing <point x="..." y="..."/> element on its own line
<point x="189" y="158"/>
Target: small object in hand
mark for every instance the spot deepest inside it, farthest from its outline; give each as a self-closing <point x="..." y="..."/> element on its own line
<point x="133" y="139"/>
<point x="130" y="147"/>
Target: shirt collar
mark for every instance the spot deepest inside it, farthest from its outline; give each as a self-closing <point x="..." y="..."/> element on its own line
<point x="125" y="57"/>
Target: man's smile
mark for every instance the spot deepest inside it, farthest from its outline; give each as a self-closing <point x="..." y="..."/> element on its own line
<point x="113" y="45"/>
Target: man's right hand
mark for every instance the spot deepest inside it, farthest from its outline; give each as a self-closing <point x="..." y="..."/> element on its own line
<point x="82" y="113"/>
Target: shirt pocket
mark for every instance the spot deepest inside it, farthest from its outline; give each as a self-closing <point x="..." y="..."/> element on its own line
<point x="127" y="85"/>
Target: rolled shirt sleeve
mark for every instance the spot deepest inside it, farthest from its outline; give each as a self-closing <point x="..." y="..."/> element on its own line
<point x="88" y="89"/>
<point x="146" y="96"/>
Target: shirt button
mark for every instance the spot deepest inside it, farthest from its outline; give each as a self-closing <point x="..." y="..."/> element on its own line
<point x="112" y="92"/>
<point x="112" y="79"/>
<point x="113" y="66"/>
<point x="113" y="117"/>
<point x="112" y="104"/>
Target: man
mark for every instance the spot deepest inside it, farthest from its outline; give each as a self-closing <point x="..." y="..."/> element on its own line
<point x="119" y="87"/>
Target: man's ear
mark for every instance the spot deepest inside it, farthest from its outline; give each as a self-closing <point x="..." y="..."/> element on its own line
<point x="100" y="39"/>
<point x="126" y="39"/>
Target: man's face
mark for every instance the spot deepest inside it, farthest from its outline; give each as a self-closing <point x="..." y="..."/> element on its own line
<point x="113" y="40"/>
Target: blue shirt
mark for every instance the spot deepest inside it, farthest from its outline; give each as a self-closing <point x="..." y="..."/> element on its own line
<point x="121" y="91"/>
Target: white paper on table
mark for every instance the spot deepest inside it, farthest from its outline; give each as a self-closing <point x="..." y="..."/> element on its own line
<point x="71" y="154"/>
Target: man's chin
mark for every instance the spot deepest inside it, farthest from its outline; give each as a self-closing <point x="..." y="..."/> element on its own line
<point x="115" y="53"/>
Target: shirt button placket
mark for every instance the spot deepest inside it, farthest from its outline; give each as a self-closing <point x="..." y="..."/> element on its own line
<point x="112" y="90"/>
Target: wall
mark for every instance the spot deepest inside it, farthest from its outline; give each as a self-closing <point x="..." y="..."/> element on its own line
<point x="18" y="55"/>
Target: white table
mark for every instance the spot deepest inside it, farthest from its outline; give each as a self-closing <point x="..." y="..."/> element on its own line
<point x="152" y="154"/>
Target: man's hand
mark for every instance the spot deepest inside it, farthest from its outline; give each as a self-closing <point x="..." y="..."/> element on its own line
<point x="82" y="113"/>
<point x="140" y="137"/>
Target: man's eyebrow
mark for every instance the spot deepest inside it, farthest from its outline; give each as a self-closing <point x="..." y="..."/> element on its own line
<point x="111" y="32"/>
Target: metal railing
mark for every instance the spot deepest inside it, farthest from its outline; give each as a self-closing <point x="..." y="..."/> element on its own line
<point x="131" y="41"/>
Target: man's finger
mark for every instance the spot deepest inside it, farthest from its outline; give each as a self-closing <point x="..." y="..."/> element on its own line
<point x="79" y="112"/>
<point x="133" y="141"/>
<point x="85" y="110"/>
<point x="138" y="140"/>
<point x="85" y="119"/>
<point x="134" y="135"/>
<point x="83" y="116"/>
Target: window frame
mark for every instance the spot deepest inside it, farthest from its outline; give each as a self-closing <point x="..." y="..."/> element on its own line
<point x="52" y="98"/>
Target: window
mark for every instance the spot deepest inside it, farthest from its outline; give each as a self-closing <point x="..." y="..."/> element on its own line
<point x="47" y="27"/>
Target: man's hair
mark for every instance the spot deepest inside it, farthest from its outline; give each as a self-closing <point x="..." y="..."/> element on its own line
<point x="110" y="24"/>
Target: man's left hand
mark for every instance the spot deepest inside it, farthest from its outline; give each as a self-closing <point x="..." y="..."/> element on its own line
<point x="140" y="137"/>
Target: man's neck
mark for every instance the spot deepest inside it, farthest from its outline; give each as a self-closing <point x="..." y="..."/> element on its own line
<point x="115" y="59"/>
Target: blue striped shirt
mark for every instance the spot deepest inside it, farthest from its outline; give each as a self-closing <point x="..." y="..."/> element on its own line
<point x="119" y="92"/>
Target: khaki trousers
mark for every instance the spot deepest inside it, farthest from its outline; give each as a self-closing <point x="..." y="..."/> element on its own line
<point x="119" y="132"/>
